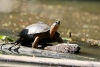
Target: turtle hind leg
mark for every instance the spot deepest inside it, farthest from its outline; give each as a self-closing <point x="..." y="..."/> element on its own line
<point x="59" y="39"/>
<point x="35" y="42"/>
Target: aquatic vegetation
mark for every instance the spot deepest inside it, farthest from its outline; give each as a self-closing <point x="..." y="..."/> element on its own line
<point x="5" y="39"/>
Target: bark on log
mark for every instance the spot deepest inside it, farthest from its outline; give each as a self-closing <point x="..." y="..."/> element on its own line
<point x="50" y="61"/>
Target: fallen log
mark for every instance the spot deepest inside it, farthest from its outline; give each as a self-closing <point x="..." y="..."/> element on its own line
<point x="50" y="61"/>
<point x="21" y="50"/>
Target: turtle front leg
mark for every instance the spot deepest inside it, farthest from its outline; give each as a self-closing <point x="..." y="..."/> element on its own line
<point x="18" y="41"/>
<point x="35" y="43"/>
<point x="15" y="43"/>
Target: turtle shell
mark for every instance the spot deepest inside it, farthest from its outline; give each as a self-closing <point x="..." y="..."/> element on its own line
<point x="34" y="29"/>
<point x="37" y="28"/>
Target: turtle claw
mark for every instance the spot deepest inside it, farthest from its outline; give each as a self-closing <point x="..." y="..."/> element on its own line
<point x="12" y="46"/>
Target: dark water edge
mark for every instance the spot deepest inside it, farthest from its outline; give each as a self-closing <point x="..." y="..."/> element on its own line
<point x="89" y="51"/>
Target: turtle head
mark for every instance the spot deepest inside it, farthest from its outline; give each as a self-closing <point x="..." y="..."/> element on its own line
<point x="54" y="28"/>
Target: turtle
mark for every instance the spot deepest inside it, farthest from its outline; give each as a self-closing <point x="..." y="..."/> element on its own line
<point x="40" y="32"/>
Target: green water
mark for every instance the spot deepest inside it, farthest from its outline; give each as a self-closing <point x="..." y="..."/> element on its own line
<point x="81" y="17"/>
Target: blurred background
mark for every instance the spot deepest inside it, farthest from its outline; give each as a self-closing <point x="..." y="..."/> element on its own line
<point x="82" y="17"/>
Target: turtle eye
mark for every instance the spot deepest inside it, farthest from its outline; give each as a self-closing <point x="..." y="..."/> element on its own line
<point x="58" y="22"/>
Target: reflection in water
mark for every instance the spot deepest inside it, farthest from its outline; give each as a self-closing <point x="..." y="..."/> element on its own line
<point x="82" y="17"/>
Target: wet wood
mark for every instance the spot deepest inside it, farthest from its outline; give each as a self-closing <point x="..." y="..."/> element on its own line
<point x="21" y="50"/>
<point x="50" y="61"/>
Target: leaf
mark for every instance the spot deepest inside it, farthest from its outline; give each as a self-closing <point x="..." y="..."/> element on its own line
<point x="65" y="38"/>
<point x="69" y="33"/>
<point x="6" y="38"/>
<point x="2" y="37"/>
<point x="9" y="39"/>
